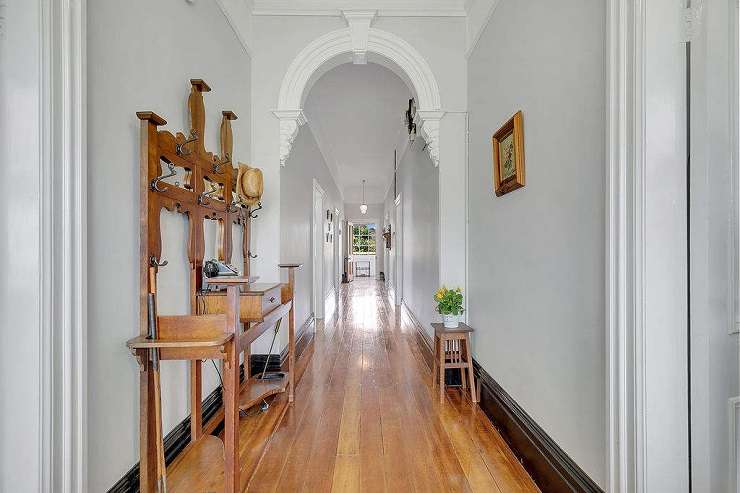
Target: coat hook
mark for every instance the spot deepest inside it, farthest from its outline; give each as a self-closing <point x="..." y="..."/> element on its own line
<point x="249" y="254"/>
<point x="216" y="168"/>
<point x="202" y="198"/>
<point x="155" y="263"/>
<point x="252" y="213"/>
<point x="180" y="148"/>
<point x="235" y="206"/>
<point x="155" y="182"/>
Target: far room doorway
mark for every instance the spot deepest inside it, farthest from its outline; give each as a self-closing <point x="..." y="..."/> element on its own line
<point x="318" y="250"/>
<point x="363" y="249"/>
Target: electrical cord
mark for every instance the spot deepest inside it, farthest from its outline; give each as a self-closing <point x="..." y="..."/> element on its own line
<point x="242" y="413"/>
<point x="219" y="375"/>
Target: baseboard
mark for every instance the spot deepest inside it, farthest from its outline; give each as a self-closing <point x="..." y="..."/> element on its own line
<point x="734" y="442"/>
<point x="550" y="467"/>
<point x="177" y="439"/>
<point x="275" y="362"/>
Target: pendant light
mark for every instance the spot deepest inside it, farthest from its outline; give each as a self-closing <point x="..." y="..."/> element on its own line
<point x="363" y="207"/>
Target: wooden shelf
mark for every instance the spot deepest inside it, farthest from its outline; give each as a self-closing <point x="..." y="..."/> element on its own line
<point x="250" y="289"/>
<point x="199" y="468"/>
<point x="142" y="342"/>
<point x="254" y="390"/>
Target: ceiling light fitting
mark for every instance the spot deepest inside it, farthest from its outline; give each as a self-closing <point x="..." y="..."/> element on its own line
<point x="363" y="207"/>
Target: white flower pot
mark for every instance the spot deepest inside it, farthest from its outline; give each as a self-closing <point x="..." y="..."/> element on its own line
<point x="451" y="321"/>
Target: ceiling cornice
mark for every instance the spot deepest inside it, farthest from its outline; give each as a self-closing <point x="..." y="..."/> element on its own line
<point x="334" y="8"/>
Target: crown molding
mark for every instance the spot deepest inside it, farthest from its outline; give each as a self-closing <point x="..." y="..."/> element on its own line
<point x="338" y="13"/>
<point x="327" y="153"/>
<point x="334" y="8"/>
<point x="3" y="18"/>
<point x="232" y="24"/>
<point x="473" y="38"/>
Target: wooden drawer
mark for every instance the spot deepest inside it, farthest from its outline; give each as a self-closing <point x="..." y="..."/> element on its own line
<point x="271" y="300"/>
<point x="255" y="302"/>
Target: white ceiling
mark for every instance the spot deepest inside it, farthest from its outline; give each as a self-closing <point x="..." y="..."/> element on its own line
<point x="356" y="114"/>
<point x="384" y="7"/>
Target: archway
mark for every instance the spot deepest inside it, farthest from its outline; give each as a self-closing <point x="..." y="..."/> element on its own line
<point x="357" y="43"/>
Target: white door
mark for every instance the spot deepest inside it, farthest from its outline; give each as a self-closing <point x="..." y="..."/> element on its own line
<point x="398" y="270"/>
<point x="337" y="246"/>
<point x="318" y="250"/>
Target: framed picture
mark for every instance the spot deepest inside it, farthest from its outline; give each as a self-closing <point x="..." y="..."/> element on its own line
<point x="508" y="156"/>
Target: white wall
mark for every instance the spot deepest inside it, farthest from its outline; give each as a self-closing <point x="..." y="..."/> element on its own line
<point x="418" y="185"/>
<point x="21" y="336"/>
<point x="296" y="195"/>
<point x="536" y="285"/>
<point x="714" y="351"/>
<point x="144" y="62"/>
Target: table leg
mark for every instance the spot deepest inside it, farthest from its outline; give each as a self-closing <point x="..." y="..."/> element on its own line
<point x="442" y="368"/>
<point x="469" y="354"/>
<point x="435" y="360"/>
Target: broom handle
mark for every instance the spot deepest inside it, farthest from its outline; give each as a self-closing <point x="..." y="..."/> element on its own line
<point x="158" y="435"/>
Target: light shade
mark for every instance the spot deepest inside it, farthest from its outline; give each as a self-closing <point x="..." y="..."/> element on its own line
<point x="363" y="208"/>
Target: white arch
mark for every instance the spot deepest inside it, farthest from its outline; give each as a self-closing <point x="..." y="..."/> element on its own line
<point x="356" y="41"/>
<point x="339" y="42"/>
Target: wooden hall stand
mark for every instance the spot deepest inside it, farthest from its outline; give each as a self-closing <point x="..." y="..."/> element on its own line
<point x="452" y="349"/>
<point x="224" y="320"/>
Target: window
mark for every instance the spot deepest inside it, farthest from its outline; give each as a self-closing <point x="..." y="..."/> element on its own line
<point x="363" y="239"/>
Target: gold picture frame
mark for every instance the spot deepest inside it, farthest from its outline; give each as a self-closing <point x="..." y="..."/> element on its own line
<point x="508" y="156"/>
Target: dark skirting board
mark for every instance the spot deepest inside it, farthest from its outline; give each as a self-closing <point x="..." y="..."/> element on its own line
<point x="177" y="439"/>
<point x="550" y="467"/>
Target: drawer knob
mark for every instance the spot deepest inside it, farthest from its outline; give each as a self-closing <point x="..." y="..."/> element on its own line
<point x="272" y="299"/>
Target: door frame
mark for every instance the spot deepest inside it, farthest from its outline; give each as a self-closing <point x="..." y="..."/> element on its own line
<point x="646" y="295"/>
<point x="398" y="281"/>
<point x="317" y="249"/>
<point x="57" y="111"/>
<point x="337" y="248"/>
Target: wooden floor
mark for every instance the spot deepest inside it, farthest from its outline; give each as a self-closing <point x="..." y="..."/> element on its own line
<point x="366" y="418"/>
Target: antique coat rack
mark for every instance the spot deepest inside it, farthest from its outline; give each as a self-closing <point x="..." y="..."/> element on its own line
<point x="223" y="322"/>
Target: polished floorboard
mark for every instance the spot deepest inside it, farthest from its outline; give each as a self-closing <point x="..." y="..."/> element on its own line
<point x="366" y="417"/>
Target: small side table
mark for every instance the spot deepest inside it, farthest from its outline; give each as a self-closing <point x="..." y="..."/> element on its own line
<point x="452" y="350"/>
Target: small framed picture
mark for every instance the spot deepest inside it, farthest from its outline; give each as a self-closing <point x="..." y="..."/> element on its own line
<point x="508" y="156"/>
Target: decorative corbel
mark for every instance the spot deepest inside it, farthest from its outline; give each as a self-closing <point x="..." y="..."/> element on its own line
<point x="359" y="22"/>
<point x="430" y="132"/>
<point x="290" y="122"/>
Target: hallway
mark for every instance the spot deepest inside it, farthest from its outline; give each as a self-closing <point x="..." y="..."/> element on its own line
<point x="365" y="418"/>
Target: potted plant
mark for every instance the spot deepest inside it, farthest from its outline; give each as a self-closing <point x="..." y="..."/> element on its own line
<point x="449" y="305"/>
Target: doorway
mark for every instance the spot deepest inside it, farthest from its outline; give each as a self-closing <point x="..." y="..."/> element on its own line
<point x="317" y="247"/>
<point x="398" y="268"/>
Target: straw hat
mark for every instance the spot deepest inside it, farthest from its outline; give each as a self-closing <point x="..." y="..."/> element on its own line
<point x="249" y="184"/>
